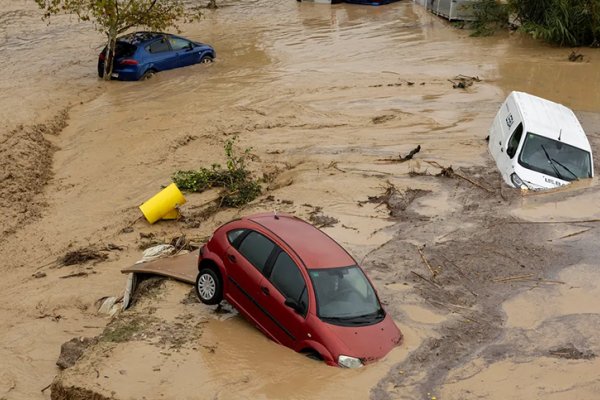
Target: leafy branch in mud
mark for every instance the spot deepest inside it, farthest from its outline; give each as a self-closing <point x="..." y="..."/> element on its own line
<point x="239" y="187"/>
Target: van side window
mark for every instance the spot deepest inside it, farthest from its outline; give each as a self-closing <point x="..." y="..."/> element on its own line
<point x="514" y="141"/>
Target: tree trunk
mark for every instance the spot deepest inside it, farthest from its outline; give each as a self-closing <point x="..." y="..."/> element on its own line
<point x="109" y="55"/>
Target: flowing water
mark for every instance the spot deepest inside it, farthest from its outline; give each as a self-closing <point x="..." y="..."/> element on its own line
<point x="315" y="90"/>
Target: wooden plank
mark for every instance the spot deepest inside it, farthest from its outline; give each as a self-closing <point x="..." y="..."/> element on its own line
<point x="183" y="268"/>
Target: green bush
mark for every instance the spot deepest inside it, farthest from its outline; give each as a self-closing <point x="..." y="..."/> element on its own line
<point x="239" y="187"/>
<point x="490" y="15"/>
<point x="564" y="22"/>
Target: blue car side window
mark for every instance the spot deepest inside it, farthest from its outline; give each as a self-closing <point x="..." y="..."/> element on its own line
<point x="160" y="46"/>
<point x="179" y="44"/>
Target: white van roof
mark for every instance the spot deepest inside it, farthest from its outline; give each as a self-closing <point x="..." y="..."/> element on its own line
<point x="550" y="119"/>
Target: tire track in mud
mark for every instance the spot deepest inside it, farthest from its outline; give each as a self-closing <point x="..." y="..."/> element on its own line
<point x="467" y="273"/>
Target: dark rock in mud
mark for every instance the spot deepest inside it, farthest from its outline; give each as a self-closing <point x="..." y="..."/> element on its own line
<point x="73" y="349"/>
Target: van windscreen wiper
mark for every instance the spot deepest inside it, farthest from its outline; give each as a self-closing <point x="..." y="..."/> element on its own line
<point x="566" y="169"/>
<point x="558" y="175"/>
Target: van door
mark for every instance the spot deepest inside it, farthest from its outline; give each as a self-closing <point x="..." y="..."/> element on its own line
<point x="507" y="161"/>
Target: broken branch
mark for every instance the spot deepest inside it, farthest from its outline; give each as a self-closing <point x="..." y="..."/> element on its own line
<point x="450" y="173"/>
<point x="426" y="279"/>
<point x="401" y="159"/>
<point x="433" y="271"/>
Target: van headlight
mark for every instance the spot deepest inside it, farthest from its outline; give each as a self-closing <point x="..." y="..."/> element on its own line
<point x="349" y="362"/>
<point x="518" y="182"/>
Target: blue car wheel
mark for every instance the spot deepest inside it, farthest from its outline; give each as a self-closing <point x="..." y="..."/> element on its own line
<point x="206" y="59"/>
<point x="147" y="75"/>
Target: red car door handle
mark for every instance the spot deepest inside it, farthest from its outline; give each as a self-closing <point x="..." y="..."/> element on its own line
<point x="231" y="257"/>
<point x="265" y="290"/>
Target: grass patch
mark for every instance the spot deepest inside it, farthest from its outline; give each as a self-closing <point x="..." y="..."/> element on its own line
<point x="239" y="186"/>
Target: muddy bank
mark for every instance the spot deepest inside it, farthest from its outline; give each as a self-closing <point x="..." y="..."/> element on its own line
<point x="168" y="336"/>
<point x="26" y="155"/>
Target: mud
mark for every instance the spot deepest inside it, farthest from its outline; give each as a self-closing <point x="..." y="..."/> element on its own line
<point x="26" y="155"/>
<point x="486" y="311"/>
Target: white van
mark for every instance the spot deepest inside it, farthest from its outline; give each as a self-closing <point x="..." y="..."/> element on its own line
<point x="539" y="144"/>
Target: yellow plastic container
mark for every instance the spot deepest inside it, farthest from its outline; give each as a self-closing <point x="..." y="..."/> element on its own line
<point x="163" y="203"/>
<point x="173" y="214"/>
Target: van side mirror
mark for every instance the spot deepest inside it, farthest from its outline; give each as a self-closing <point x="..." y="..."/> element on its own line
<point x="294" y="305"/>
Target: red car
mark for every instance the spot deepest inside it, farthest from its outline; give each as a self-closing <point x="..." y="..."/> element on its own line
<point x="299" y="287"/>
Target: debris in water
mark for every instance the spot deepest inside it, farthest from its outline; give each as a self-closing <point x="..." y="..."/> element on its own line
<point x="575" y="56"/>
<point x="380" y="119"/>
<point x="402" y="159"/>
<point x="109" y="305"/>
<point x="76" y="274"/>
<point x="183" y="243"/>
<point x="449" y="172"/>
<point x="570" y="352"/>
<point x="396" y="201"/>
<point x="463" y="81"/>
<point x="81" y="256"/>
<point x="320" y="220"/>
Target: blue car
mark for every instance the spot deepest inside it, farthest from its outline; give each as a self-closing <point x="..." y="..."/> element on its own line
<point x="140" y="55"/>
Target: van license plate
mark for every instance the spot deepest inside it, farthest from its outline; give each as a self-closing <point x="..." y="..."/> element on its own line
<point x="115" y="74"/>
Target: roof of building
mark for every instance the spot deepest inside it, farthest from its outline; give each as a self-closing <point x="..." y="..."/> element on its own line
<point x="315" y="248"/>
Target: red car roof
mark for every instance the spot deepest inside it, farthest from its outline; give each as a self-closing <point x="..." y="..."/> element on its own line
<point x="314" y="247"/>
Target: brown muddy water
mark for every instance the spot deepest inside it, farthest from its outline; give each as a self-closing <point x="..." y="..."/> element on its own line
<point x="322" y="94"/>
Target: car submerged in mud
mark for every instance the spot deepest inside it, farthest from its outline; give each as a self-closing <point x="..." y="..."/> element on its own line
<point x="299" y="287"/>
<point x="539" y="144"/>
<point x="140" y="55"/>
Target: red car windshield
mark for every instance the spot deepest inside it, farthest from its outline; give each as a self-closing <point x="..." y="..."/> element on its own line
<point x="345" y="296"/>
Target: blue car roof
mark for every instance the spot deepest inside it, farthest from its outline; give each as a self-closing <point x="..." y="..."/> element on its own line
<point x="138" y="38"/>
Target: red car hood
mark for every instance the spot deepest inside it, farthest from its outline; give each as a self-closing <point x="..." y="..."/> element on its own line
<point x="371" y="342"/>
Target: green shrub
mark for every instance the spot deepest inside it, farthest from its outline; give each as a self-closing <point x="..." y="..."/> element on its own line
<point x="238" y="185"/>
<point x="563" y="22"/>
<point x="490" y="15"/>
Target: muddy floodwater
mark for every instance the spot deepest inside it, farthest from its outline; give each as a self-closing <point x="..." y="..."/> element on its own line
<point x="492" y="288"/>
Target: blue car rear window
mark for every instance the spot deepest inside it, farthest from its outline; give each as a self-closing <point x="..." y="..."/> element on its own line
<point x="124" y="49"/>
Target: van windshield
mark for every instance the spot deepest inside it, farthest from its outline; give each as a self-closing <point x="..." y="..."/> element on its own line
<point x="345" y="296"/>
<point x="555" y="158"/>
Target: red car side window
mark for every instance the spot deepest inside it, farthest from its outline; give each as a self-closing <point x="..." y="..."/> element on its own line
<point x="235" y="234"/>
<point x="286" y="277"/>
<point x="256" y="249"/>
